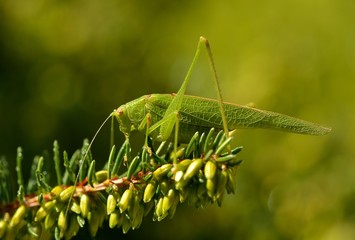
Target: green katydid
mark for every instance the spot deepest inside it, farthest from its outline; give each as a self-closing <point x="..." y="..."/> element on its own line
<point x="193" y="114"/>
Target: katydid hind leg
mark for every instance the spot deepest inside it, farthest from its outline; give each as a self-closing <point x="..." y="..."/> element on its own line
<point x="217" y="85"/>
<point x="167" y="126"/>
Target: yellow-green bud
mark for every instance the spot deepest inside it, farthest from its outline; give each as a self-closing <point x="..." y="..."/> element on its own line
<point x="66" y="194"/>
<point x="40" y="214"/>
<point x="210" y="169"/>
<point x="178" y="176"/>
<point x="164" y="186"/>
<point x="51" y="218"/>
<point x="149" y="191"/>
<point x="162" y="171"/>
<point x="62" y="222"/>
<point x="172" y="209"/>
<point x="193" y="169"/>
<point x="231" y="184"/>
<point x="160" y="214"/>
<point x="183" y="164"/>
<point x="168" y="201"/>
<point x="73" y="228"/>
<point x="133" y="207"/>
<point x="18" y="216"/>
<point x="84" y="205"/>
<point x="101" y="176"/>
<point x="126" y="225"/>
<point x="94" y="222"/>
<point x="56" y="191"/>
<point x="115" y="219"/>
<point x="3" y="228"/>
<point x="111" y="204"/>
<point x="138" y="218"/>
<point x="221" y="184"/>
<point x="211" y="187"/>
<point x="125" y="200"/>
<point x="75" y="207"/>
<point x="44" y="210"/>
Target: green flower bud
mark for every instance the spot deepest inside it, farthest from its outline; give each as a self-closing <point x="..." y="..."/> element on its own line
<point x="168" y="201"/>
<point x="172" y="209"/>
<point x="94" y="222"/>
<point x="126" y="225"/>
<point x="178" y="176"/>
<point x="50" y="220"/>
<point x="134" y="205"/>
<point x="193" y="169"/>
<point x="149" y="191"/>
<point x="125" y="200"/>
<point x="138" y="218"/>
<point x="66" y="194"/>
<point x="75" y="207"/>
<point x="73" y="228"/>
<point x="164" y="186"/>
<point x="181" y="184"/>
<point x="40" y="214"/>
<point x="211" y="187"/>
<point x="56" y="191"/>
<point x="84" y="205"/>
<point x="210" y="169"/>
<point x="231" y="184"/>
<point x="178" y="154"/>
<point x="44" y="210"/>
<point x="221" y="184"/>
<point x="162" y="171"/>
<point x="111" y="204"/>
<point x="62" y="222"/>
<point x="18" y="216"/>
<point x="159" y="208"/>
<point x="182" y="166"/>
<point x="101" y="176"/>
<point x="115" y="219"/>
<point x="3" y="228"/>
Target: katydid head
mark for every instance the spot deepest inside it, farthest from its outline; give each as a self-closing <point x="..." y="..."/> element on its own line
<point x="130" y="115"/>
<point x="123" y="120"/>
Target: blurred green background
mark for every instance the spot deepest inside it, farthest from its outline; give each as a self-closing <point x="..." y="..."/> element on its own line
<point x="65" y="65"/>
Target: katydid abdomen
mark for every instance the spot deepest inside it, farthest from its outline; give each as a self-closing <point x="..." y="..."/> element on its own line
<point x="201" y="114"/>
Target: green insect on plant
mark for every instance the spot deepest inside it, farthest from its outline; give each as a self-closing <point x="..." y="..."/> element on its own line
<point x="194" y="164"/>
<point x="157" y="114"/>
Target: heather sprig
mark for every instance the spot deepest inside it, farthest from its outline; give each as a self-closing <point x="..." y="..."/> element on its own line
<point x="121" y="194"/>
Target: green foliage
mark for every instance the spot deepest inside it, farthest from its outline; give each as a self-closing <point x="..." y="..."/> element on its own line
<point x="118" y="197"/>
